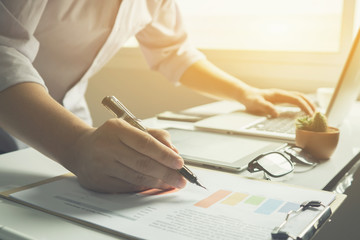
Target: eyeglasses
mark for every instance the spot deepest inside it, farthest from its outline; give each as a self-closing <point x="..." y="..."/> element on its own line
<point x="297" y="154"/>
<point x="274" y="164"/>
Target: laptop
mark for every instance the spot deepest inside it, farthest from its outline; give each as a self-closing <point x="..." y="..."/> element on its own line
<point x="283" y="127"/>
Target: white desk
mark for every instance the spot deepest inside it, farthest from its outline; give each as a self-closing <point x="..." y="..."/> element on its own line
<point x="323" y="174"/>
<point x="28" y="166"/>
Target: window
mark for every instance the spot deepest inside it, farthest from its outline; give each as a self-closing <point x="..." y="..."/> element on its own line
<point x="264" y="25"/>
<point x="292" y="44"/>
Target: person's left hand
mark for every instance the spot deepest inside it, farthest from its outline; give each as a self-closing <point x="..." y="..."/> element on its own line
<point x="261" y="101"/>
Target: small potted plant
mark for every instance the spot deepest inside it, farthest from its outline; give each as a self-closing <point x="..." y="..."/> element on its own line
<point x="315" y="136"/>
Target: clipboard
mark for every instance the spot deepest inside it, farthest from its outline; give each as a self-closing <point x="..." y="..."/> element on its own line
<point x="310" y="229"/>
<point x="7" y="195"/>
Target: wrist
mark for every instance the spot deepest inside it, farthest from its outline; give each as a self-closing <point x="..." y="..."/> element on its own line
<point x="77" y="150"/>
<point x="242" y="91"/>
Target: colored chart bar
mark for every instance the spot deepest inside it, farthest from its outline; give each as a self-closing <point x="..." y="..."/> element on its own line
<point x="269" y="206"/>
<point x="289" y="206"/>
<point x="234" y="199"/>
<point x="254" y="200"/>
<point x="213" y="198"/>
<point x="155" y="191"/>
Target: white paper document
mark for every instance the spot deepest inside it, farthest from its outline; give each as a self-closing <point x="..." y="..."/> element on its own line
<point x="231" y="208"/>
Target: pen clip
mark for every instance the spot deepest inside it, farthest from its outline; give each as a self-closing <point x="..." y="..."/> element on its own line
<point x="120" y="111"/>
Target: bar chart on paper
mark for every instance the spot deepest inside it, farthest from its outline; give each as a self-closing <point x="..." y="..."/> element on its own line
<point x="246" y="202"/>
<point x="231" y="207"/>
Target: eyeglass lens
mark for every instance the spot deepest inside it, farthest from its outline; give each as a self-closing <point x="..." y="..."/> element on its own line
<point x="275" y="164"/>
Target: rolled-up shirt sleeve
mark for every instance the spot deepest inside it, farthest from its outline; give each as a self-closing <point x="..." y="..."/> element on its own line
<point x="165" y="43"/>
<point x="18" y="46"/>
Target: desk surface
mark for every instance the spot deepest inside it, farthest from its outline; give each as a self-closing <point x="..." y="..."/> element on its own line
<point x="322" y="175"/>
<point x="28" y="166"/>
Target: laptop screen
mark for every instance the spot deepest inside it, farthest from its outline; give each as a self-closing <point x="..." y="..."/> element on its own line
<point x="347" y="88"/>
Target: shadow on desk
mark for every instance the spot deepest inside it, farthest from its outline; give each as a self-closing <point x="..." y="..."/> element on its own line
<point x="345" y="221"/>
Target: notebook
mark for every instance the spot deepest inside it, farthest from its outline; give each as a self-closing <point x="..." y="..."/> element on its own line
<point x="283" y="127"/>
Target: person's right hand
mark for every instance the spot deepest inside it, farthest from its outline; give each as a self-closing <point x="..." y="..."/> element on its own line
<point x="117" y="157"/>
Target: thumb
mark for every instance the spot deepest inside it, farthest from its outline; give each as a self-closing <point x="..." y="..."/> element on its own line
<point x="268" y="108"/>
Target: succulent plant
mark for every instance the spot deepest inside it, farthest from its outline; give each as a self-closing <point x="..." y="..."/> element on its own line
<point x="316" y="123"/>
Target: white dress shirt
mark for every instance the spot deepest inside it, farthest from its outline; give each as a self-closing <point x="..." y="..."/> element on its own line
<point x="61" y="43"/>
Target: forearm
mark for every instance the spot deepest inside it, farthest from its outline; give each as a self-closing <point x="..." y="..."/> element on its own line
<point x="208" y="79"/>
<point x="115" y="157"/>
<point x="30" y="114"/>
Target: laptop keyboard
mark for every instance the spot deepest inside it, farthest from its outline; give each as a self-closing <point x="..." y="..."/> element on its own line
<point x="285" y="123"/>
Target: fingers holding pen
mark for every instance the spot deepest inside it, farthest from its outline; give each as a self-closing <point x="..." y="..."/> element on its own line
<point x="117" y="177"/>
<point x="164" y="137"/>
<point x="117" y="157"/>
<point x="150" y="157"/>
<point x="148" y="145"/>
<point x="142" y="170"/>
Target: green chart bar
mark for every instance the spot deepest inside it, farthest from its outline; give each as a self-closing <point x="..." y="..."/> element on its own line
<point x="254" y="200"/>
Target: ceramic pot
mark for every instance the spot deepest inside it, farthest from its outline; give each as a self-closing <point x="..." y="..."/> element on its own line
<point x="320" y="145"/>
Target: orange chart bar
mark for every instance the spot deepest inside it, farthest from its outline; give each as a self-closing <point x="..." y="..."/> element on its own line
<point x="212" y="199"/>
<point x="154" y="191"/>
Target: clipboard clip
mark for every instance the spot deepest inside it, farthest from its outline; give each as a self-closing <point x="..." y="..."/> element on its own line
<point x="310" y="230"/>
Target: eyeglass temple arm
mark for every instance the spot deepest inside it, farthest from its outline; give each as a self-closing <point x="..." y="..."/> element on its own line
<point x="253" y="165"/>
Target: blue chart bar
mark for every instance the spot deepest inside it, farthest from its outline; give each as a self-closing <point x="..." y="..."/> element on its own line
<point x="269" y="206"/>
<point x="288" y="207"/>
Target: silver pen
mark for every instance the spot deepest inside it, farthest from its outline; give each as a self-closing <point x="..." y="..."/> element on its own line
<point x="116" y="107"/>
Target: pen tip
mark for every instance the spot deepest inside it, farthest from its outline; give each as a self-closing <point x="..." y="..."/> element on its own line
<point x="200" y="185"/>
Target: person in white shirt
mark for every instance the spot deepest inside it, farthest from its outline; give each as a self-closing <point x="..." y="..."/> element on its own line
<point x="48" y="51"/>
